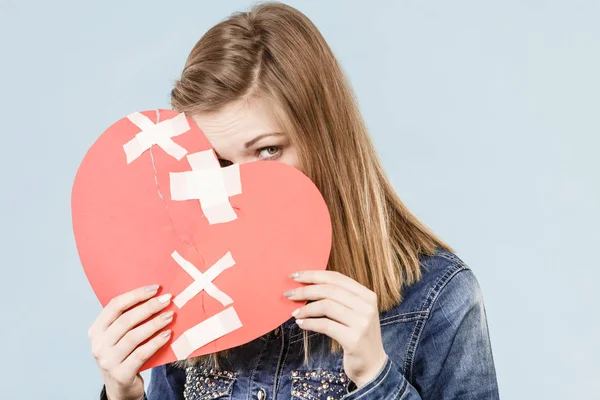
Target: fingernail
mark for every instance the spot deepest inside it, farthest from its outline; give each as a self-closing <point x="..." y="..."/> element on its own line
<point x="166" y="333"/>
<point x="151" y="288"/>
<point x="295" y="312"/>
<point x="164" y="298"/>
<point x="300" y="322"/>
<point x="167" y="315"/>
<point x="289" y="293"/>
<point x="295" y="275"/>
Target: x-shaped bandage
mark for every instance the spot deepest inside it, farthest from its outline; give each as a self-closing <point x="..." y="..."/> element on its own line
<point x="156" y="134"/>
<point x="203" y="281"/>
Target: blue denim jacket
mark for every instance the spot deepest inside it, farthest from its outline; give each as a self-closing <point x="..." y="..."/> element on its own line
<point x="436" y="340"/>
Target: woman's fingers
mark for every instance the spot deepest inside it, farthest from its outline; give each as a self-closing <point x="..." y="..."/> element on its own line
<point x="118" y="306"/>
<point x="334" y="278"/>
<point x="325" y="308"/>
<point x="132" y="339"/>
<point x="119" y="338"/>
<point x="347" y="312"/>
<point x="328" y="291"/>
<point x="338" y="332"/>
<point x="135" y="316"/>
<point x="142" y="353"/>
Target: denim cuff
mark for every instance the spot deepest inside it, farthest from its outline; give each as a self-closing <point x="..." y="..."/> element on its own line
<point x="103" y="395"/>
<point x="389" y="384"/>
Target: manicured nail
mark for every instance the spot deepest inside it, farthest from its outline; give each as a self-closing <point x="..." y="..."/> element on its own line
<point x="164" y="298"/>
<point x="295" y="312"/>
<point x="166" y="333"/>
<point x="299" y="322"/>
<point x="295" y="275"/>
<point x="167" y="315"/>
<point x="289" y="293"/>
<point x="151" y="288"/>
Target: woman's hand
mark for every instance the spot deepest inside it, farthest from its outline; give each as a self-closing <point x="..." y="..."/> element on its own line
<point x="346" y="311"/>
<point x="115" y="337"/>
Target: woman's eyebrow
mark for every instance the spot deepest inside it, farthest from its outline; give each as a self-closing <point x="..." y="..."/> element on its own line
<point x="249" y="143"/>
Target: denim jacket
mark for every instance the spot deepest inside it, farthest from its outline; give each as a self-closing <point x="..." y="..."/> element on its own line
<point x="436" y="340"/>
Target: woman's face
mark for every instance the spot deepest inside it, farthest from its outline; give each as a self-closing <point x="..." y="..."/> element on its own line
<point x="245" y="131"/>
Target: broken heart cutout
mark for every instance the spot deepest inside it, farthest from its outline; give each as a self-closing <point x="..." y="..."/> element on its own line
<point x="150" y="204"/>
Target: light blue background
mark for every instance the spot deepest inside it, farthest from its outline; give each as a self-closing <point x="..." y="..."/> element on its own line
<point x="486" y="115"/>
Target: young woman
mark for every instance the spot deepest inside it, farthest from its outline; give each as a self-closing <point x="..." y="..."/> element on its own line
<point x="396" y="316"/>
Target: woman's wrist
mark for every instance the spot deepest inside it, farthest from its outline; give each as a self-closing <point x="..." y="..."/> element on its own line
<point x="369" y="376"/>
<point x="388" y="381"/>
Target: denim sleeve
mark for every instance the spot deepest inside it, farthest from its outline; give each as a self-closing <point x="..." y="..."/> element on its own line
<point x="453" y="358"/>
<point x="389" y="384"/>
<point x="104" y="397"/>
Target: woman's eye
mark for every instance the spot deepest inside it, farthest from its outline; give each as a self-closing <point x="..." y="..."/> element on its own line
<point x="269" y="152"/>
<point x="225" y="163"/>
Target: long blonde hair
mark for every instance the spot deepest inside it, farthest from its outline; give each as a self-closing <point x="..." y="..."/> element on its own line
<point x="273" y="51"/>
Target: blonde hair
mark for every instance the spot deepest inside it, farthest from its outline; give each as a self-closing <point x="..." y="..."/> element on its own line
<point x="273" y="51"/>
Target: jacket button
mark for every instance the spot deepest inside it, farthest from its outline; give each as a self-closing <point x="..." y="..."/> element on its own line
<point x="262" y="394"/>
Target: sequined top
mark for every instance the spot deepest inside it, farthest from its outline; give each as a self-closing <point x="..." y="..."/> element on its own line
<point x="436" y="340"/>
<point x="204" y="383"/>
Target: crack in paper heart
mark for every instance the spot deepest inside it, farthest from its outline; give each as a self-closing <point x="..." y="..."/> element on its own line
<point x="162" y="198"/>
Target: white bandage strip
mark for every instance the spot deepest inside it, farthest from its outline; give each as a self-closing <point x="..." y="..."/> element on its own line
<point x="203" y="281"/>
<point x="156" y="134"/>
<point x="205" y="332"/>
<point x="210" y="184"/>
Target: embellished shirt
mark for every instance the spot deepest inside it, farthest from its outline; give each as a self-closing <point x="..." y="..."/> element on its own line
<point x="436" y="340"/>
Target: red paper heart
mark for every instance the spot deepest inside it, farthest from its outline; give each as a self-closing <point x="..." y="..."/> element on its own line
<point x="126" y="228"/>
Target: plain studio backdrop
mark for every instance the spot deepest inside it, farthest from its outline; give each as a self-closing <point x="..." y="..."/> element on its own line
<point x="486" y="116"/>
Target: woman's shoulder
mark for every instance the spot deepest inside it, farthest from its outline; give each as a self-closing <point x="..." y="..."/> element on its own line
<point x="443" y="274"/>
<point x="447" y="325"/>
